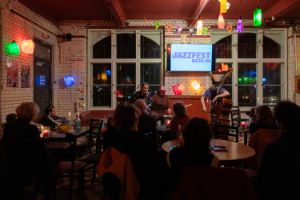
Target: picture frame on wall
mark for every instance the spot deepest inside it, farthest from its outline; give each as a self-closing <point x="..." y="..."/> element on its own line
<point x="297" y="84"/>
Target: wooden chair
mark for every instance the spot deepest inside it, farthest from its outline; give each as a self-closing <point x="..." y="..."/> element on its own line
<point x="212" y="183"/>
<point x="230" y="127"/>
<point x="71" y="167"/>
<point x="259" y="142"/>
<point x="95" y="138"/>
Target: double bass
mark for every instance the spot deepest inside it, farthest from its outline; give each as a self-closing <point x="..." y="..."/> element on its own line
<point x="220" y="109"/>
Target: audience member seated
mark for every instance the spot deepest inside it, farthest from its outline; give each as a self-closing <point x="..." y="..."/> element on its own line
<point x="263" y="119"/>
<point x="279" y="173"/>
<point x="143" y="93"/>
<point x="180" y="119"/>
<point x="10" y="118"/>
<point x="146" y="125"/>
<point x="194" y="150"/>
<point x="50" y="118"/>
<point x="24" y="155"/>
<point x="142" y="152"/>
<point x="160" y="103"/>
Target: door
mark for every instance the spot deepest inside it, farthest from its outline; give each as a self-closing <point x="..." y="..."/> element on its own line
<point x="42" y="91"/>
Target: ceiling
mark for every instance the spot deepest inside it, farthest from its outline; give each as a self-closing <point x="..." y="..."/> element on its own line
<point x="118" y="11"/>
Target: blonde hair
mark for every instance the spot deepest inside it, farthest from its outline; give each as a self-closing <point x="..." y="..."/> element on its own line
<point x="28" y="110"/>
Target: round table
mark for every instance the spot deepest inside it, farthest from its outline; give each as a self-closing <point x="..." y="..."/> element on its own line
<point x="234" y="151"/>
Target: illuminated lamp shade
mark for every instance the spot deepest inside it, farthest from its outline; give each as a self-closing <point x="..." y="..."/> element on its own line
<point x="104" y="76"/>
<point x="69" y="81"/>
<point x="223" y="6"/>
<point x="257" y="17"/>
<point x="224" y="67"/>
<point x="177" y="89"/>
<point x="199" y="27"/>
<point x="239" y="25"/>
<point x="12" y="49"/>
<point x="195" y="85"/>
<point x="27" y="46"/>
<point x="221" y="22"/>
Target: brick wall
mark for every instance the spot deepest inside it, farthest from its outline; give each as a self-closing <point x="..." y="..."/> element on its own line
<point x="15" y="27"/>
<point x="70" y="59"/>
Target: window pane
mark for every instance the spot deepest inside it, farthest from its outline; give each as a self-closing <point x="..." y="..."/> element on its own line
<point x="228" y="80"/>
<point x="102" y="49"/>
<point x="126" y="45"/>
<point x="125" y="81"/>
<point x="150" y="73"/>
<point x="271" y="48"/>
<point x="247" y="84"/>
<point x="150" y="45"/>
<point x="271" y="83"/>
<point x="247" y="45"/>
<point x="102" y="85"/>
<point x="223" y="48"/>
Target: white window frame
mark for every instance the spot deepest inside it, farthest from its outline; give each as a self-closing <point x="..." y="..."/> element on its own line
<point x="259" y="60"/>
<point x="114" y="60"/>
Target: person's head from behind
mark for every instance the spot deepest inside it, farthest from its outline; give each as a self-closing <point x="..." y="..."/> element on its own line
<point x="126" y="116"/>
<point x="50" y="110"/>
<point x="263" y="113"/>
<point x="213" y="91"/>
<point x="197" y="135"/>
<point x="179" y="109"/>
<point x="287" y="114"/>
<point x="140" y="104"/>
<point x="11" y="117"/>
<point x="144" y="88"/>
<point x="162" y="91"/>
<point x="28" y="111"/>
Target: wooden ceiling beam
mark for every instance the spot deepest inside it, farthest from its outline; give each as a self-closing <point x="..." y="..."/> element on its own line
<point x="280" y="8"/>
<point x="197" y="13"/>
<point x="117" y="12"/>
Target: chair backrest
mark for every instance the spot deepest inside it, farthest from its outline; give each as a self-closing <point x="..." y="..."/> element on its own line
<point x="95" y="132"/>
<point x="235" y="116"/>
<point x="85" y="117"/>
<point x="212" y="183"/>
<point x="259" y="142"/>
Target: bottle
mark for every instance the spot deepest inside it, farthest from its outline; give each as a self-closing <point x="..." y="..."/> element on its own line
<point x="77" y="122"/>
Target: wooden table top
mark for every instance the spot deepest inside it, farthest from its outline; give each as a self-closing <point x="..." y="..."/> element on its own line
<point x="234" y="151"/>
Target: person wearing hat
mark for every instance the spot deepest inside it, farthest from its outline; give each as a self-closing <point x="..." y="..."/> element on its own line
<point x="160" y="103"/>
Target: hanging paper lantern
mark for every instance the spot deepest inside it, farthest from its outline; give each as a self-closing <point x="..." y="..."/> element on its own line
<point x="239" y="25"/>
<point x="178" y="29"/>
<point x="169" y="27"/>
<point x="157" y="24"/>
<point x="199" y="27"/>
<point x="177" y="89"/>
<point x="69" y="81"/>
<point x="12" y="49"/>
<point x="257" y="17"/>
<point x="108" y="72"/>
<point x="224" y="67"/>
<point x="223" y="6"/>
<point x="229" y="27"/>
<point x="27" y="46"/>
<point x="195" y="85"/>
<point x="221" y="22"/>
<point x="103" y="76"/>
<point x="205" y="30"/>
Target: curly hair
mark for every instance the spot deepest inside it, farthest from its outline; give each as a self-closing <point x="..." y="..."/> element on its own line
<point x="28" y="111"/>
<point x="125" y="116"/>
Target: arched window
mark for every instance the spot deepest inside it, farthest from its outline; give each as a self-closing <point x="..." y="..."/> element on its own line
<point x="246" y="45"/>
<point x="126" y="45"/>
<point x="223" y="48"/>
<point x="149" y="48"/>
<point x="271" y="49"/>
<point x="102" y="49"/>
